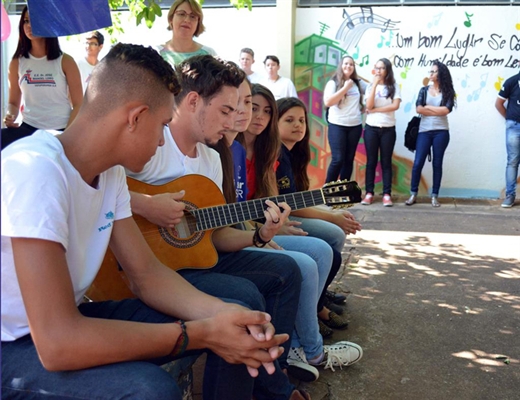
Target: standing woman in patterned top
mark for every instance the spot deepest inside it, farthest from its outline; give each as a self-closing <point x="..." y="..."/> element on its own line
<point x="383" y="98"/>
<point x="45" y="80"/>
<point x="185" y="20"/>
<point x="438" y="99"/>
<point x="343" y="95"/>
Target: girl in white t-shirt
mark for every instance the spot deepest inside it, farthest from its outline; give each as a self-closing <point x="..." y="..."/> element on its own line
<point x="383" y="97"/>
<point x="44" y="85"/>
<point x="343" y="94"/>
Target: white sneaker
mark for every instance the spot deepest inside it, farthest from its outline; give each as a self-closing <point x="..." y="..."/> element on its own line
<point x="341" y="354"/>
<point x="299" y="367"/>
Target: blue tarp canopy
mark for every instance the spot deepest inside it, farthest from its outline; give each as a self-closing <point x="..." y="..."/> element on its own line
<point x="53" y="18"/>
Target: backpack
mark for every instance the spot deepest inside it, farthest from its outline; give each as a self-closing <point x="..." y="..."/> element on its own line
<point x="412" y="130"/>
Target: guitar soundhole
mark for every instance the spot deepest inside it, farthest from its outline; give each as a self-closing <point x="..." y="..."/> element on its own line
<point x="184" y="234"/>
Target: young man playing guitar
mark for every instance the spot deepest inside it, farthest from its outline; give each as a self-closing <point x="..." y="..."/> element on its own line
<point x="204" y="111"/>
<point x="64" y="201"/>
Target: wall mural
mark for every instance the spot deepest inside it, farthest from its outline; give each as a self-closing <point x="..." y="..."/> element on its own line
<point x="480" y="46"/>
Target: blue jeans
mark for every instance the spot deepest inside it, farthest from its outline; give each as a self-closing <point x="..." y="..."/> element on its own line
<point x="11" y="135"/>
<point x="438" y="140"/>
<point x="23" y="376"/>
<point x="513" y="155"/>
<point x="379" y="141"/>
<point x="238" y="275"/>
<point x="343" y="141"/>
<point x="314" y="258"/>
<point x="324" y="230"/>
<point x="335" y="237"/>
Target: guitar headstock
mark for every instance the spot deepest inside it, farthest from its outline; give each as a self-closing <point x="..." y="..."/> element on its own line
<point x="341" y="193"/>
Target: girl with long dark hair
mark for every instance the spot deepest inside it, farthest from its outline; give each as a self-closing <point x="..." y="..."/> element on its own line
<point x="45" y="80"/>
<point x="343" y="95"/>
<point x="383" y="98"/>
<point x="439" y="98"/>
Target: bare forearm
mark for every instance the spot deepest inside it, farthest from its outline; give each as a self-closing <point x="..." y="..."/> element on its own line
<point x="231" y="239"/>
<point x="433" y="111"/>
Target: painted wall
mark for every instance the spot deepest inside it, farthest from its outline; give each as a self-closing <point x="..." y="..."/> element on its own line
<point x="480" y="45"/>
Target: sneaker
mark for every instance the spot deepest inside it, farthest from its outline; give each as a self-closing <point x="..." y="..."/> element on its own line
<point x="335" y="321"/>
<point x="299" y="367"/>
<point x="336" y="298"/>
<point x="509" y="201"/>
<point x="325" y="331"/>
<point x="341" y="354"/>
<point x="387" y="200"/>
<point x="369" y="198"/>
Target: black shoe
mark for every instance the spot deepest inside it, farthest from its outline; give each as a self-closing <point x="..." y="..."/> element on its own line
<point x="335" y="297"/>
<point x="335" y="321"/>
<point x="325" y="331"/>
<point x="333" y="307"/>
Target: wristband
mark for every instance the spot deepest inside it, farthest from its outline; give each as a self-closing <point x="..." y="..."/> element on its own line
<point x="257" y="239"/>
<point x="182" y="341"/>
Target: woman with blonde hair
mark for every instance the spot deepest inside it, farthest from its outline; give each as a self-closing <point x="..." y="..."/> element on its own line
<point x="185" y="20"/>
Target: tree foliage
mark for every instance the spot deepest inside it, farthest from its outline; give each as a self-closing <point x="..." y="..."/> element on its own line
<point x="148" y="10"/>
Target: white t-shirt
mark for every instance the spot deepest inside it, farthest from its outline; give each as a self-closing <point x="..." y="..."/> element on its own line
<point x="348" y="111"/>
<point x="255" y="77"/>
<point x="283" y="87"/>
<point x="44" y="197"/>
<point x="382" y="119"/>
<point x="45" y="91"/>
<point x="170" y="163"/>
<point x="85" y="69"/>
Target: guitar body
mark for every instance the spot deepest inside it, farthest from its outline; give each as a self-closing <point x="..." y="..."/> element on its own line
<point x="189" y="244"/>
<point x="173" y="247"/>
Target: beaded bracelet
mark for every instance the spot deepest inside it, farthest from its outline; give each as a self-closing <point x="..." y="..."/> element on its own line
<point x="257" y="239"/>
<point x="182" y="341"/>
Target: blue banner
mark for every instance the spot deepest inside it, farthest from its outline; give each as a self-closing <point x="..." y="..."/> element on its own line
<point x="53" y="18"/>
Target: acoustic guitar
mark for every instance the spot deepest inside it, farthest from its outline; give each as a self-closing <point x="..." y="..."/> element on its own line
<point x="189" y="244"/>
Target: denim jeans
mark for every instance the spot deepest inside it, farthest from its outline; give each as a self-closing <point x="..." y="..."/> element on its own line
<point x="314" y="258"/>
<point x="343" y="141"/>
<point x="335" y="237"/>
<point x="324" y="230"/>
<point x="513" y="155"/>
<point x="23" y="376"/>
<point x="379" y="141"/>
<point x="278" y="279"/>
<point x="438" y="140"/>
<point x="11" y="135"/>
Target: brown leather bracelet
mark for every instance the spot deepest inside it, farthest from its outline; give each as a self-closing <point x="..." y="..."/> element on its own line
<point x="257" y="239"/>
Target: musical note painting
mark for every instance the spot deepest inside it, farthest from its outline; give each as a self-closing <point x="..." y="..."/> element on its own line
<point x="354" y="26"/>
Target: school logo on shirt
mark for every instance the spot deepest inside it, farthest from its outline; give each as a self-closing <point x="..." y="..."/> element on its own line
<point x="108" y="215"/>
<point x="38" y="79"/>
<point x="284" y="183"/>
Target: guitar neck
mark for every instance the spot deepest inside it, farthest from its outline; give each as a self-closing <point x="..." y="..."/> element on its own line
<point x="231" y="214"/>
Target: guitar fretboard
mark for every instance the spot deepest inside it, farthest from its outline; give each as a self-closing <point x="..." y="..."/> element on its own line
<point x="231" y="214"/>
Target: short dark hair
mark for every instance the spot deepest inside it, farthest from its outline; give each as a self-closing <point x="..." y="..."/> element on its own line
<point x="98" y="36"/>
<point x="206" y="75"/>
<point x="52" y="45"/>
<point x="249" y="51"/>
<point x="272" y="58"/>
<point x="130" y="72"/>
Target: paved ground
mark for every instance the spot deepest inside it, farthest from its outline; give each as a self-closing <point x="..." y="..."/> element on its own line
<point x="434" y="302"/>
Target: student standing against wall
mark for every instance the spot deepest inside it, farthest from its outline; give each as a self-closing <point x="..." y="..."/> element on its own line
<point x="278" y="85"/>
<point x="434" y="103"/>
<point x="93" y="46"/>
<point x="511" y="92"/>
<point x="247" y="59"/>
<point x="343" y="94"/>
<point x="383" y="98"/>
